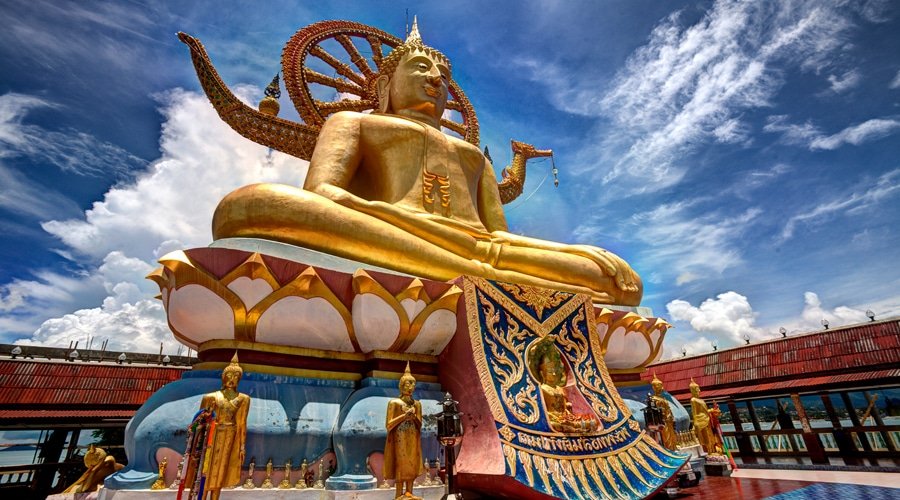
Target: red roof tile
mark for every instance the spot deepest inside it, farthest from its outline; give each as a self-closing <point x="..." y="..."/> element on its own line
<point x="37" y="383"/>
<point x="60" y="415"/>
<point x="859" y="351"/>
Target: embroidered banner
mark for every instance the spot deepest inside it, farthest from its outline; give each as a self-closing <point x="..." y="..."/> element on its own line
<point x="564" y="429"/>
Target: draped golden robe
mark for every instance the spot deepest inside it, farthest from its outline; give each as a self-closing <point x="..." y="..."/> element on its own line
<point x="230" y="437"/>
<point x="702" y="427"/>
<point x="669" y="438"/>
<point x="403" y="448"/>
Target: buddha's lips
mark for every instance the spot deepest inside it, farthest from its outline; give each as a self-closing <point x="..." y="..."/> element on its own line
<point x="431" y="91"/>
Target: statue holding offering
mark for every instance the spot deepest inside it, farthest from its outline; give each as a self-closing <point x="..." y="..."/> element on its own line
<point x="702" y="421"/>
<point x="221" y="464"/>
<point x="669" y="438"/>
<point x="403" y="448"/>
<point x="390" y="187"/>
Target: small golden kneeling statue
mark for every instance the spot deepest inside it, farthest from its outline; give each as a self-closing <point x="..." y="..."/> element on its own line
<point x="99" y="465"/>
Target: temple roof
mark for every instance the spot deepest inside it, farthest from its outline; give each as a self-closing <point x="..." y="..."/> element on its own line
<point x="826" y="359"/>
<point x="59" y="392"/>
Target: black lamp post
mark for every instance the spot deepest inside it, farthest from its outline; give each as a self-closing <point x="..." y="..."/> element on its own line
<point x="450" y="433"/>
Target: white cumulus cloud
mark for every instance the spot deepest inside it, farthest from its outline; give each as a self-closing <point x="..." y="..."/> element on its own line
<point x="116" y="242"/>
<point x="726" y="319"/>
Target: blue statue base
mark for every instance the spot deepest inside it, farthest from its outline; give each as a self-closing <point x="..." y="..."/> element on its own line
<point x="290" y="418"/>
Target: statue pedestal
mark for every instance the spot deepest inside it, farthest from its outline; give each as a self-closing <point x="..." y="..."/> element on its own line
<point x="426" y="492"/>
<point x="322" y="351"/>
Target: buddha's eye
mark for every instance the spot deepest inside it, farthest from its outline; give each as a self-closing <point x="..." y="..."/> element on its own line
<point x="422" y="66"/>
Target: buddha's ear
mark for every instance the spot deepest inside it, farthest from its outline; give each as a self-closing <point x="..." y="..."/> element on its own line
<point x="383" y="85"/>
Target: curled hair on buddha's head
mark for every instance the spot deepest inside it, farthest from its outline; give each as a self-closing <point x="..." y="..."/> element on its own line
<point x="392" y="60"/>
<point x="234" y="367"/>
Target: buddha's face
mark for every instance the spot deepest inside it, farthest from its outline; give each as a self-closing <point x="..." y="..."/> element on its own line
<point x="695" y="391"/>
<point x="420" y="84"/>
<point x="407" y="386"/>
<point x="657" y="388"/>
<point x="230" y="379"/>
<point x="551" y="372"/>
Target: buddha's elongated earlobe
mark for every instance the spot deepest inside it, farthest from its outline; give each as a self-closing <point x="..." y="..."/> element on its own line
<point x="384" y="92"/>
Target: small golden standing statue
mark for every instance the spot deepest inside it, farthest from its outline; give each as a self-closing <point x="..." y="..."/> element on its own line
<point x="301" y="481"/>
<point x="248" y="484"/>
<point x="286" y="479"/>
<point x="436" y="480"/>
<point x="267" y="483"/>
<point x="99" y="465"/>
<point x="226" y="454"/>
<point x="320" y="482"/>
<point x="702" y="427"/>
<point x="546" y="362"/>
<point x="714" y="413"/>
<point x="177" y="482"/>
<point x="403" y="448"/>
<point x="160" y="483"/>
<point x="669" y="438"/>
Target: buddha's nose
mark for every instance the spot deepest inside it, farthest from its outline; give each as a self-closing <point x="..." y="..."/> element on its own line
<point x="435" y="80"/>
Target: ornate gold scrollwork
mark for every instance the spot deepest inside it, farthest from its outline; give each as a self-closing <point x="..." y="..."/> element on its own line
<point x="510" y="370"/>
<point x="576" y="347"/>
<point x="535" y="298"/>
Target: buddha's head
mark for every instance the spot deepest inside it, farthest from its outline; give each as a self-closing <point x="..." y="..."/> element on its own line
<point x="657" y="385"/>
<point x="94" y="456"/>
<point x="414" y="81"/>
<point x="232" y="374"/>
<point x="551" y="370"/>
<point x="407" y="382"/>
<point x="545" y="362"/>
<point x="695" y="389"/>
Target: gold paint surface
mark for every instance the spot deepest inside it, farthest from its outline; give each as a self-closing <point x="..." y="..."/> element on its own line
<point x="389" y="188"/>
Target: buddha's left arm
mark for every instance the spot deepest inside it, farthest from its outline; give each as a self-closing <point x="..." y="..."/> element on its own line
<point x="418" y="414"/>
<point x="490" y="208"/>
<point x="242" y="425"/>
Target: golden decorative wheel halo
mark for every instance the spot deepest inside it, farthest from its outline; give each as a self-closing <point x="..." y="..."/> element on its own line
<point x="357" y="78"/>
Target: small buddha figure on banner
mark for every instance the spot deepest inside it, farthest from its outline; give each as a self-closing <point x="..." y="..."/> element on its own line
<point x="403" y="448"/>
<point x="547" y="363"/>
<point x="220" y="465"/>
<point x="99" y="465"/>
<point x="669" y="438"/>
<point x="702" y="423"/>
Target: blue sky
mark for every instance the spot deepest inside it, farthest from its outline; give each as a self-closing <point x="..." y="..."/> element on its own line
<point x="744" y="157"/>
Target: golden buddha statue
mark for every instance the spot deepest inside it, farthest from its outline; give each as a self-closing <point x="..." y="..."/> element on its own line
<point x="390" y="189"/>
<point x="226" y="455"/>
<point x="714" y="413"/>
<point x="701" y="419"/>
<point x="669" y="438"/>
<point x="551" y="373"/>
<point x="403" y="448"/>
<point x="99" y="465"/>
